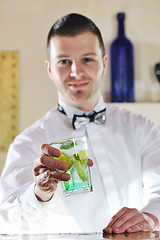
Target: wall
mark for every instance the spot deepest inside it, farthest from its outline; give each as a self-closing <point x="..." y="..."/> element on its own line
<point x="24" y="25"/>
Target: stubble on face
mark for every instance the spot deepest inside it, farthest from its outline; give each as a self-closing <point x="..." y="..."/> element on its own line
<point x="83" y="100"/>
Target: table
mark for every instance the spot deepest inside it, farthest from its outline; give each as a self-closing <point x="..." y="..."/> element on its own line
<point x="83" y="236"/>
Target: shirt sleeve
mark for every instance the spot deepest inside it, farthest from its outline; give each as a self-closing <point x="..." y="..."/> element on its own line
<point x="24" y="215"/>
<point x="150" y="149"/>
<point x="20" y="211"/>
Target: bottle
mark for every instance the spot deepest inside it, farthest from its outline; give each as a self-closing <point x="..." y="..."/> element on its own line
<point x="122" y="66"/>
<point x="157" y="71"/>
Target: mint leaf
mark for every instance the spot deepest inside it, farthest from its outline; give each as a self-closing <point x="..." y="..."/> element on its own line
<point x="76" y="156"/>
<point x="67" y="145"/>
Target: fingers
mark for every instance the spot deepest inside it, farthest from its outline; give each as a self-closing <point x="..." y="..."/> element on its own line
<point x="142" y="226"/>
<point x="45" y="187"/>
<point x="149" y="223"/>
<point x="45" y="175"/>
<point x="60" y="176"/>
<point x="52" y="163"/>
<point x="46" y="183"/>
<point x="90" y="162"/>
<point x="51" y="151"/>
<point x="48" y="155"/>
<point x="47" y="159"/>
<point x="129" y="220"/>
<point x="48" y="171"/>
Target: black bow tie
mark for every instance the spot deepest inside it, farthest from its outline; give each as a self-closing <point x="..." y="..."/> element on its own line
<point x="81" y="120"/>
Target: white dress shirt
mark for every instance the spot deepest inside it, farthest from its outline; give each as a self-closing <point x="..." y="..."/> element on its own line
<point x="126" y="173"/>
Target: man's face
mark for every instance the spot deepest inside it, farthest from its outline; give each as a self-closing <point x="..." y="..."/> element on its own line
<point x="76" y="66"/>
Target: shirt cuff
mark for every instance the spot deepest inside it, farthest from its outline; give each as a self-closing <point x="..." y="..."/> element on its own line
<point x="152" y="208"/>
<point x="33" y="212"/>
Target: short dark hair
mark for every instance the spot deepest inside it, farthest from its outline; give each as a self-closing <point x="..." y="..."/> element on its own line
<point x="71" y="25"/>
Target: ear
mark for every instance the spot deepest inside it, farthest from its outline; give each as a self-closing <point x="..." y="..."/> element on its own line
<point x="105" y="58"/>
<point x="48" y="68"/>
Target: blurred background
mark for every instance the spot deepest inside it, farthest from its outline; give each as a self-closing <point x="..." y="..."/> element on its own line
<point x="24" y="25"/>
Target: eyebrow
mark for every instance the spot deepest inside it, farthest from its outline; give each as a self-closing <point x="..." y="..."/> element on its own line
<point x="94" y="54"/>
<point x="62" y="56"/>
<point x="67" y="56"/>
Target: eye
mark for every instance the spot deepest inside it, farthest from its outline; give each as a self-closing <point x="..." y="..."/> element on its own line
<point x="88" y="59"/>
<point x="64" y="62"/>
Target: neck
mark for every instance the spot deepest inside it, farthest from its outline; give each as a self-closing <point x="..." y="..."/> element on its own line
<point x="86" y="106"/>
<point x="121" y="31"/>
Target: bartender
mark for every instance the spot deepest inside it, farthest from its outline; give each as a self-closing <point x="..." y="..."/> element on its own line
<point x="124" y="148"/>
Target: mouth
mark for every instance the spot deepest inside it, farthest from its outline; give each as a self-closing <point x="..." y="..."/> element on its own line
<point x="77" y="85"/>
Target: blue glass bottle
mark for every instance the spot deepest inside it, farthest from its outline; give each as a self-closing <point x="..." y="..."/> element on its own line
<point x="122" y="66"/>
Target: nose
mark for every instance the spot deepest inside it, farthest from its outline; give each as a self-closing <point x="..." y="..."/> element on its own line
<point x="76" y="70"/>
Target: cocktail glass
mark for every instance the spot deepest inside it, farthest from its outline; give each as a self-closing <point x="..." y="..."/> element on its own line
<point x="74" y="153"/>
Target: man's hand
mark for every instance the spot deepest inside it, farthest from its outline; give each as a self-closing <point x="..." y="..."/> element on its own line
<point x="47" y="172"/>
<point x="131" y="220"/>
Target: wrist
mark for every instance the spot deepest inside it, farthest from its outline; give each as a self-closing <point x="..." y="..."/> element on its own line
<point x="42" y="195"/>
<point x="154" y="223"/>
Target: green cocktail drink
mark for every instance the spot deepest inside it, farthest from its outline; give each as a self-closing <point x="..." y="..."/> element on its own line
<point x="74" y="153"/>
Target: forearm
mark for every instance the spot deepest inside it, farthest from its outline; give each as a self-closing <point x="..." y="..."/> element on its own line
<point x="25" y="214"/>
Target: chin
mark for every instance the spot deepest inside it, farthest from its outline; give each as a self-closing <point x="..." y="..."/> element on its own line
<point x="80" y="100"/>
<point x="80" y="96"/>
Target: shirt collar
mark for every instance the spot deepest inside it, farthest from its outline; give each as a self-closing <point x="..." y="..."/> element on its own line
<point x="70" y="111"/>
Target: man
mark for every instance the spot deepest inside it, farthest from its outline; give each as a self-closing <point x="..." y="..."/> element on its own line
<point x="125" y="150"/>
